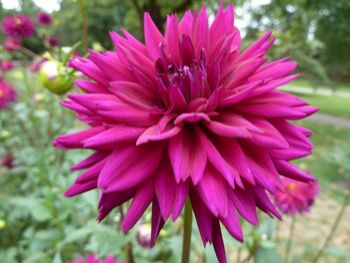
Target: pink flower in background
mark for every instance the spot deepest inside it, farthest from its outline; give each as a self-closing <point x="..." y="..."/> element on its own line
<point x="53" y="41"/>
<point x="44" y="18"/>
<point x="7" y="160"/>
<point x="6" y="65"/>
<point x="188" y="114"/>
<point x="12" y="44"/>
<point x="92" y="258"/>
<point x="18" y="26"/>
<point x="37" y="64"/>
<point x="297" y="196"/>
<point x="7" y="93"/>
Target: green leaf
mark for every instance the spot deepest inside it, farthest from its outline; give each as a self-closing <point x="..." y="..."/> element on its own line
<point x="78" y="234"/>
<point x="267" y="255"/>
<point x="40" y="212"/>
<point x="57" y="258"/>
<point x="335" y="251"/>
<point x="268" y="227"/>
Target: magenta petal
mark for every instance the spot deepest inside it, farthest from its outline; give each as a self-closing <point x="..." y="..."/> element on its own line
<point x="182" y="191"/>
<point x="133" y="94"/>
<point x="89" y="161"/>
<point x="232" y="224"/>
<point x="264" y="203"/>
<point x="164" y="188"/>
<point x="75" y="140"/>
<point x="244" y="202"/>
<point x="90" y="87"/>
<point x="139" y="161"/>
<point x="109" y="201"/>
<point x="172" y="37"/>
<point x="161" y="131"/>
<point x="218" y="242"/>
<point x="78" y="188"/>
<point x="204" y="218"/>
<point x="216" y="159"/>
<point x="112" y="136"/>
<point x="157" y="222"/>
<point x="184" y="163"/>
<point x="291" y="171"/>
<point x="141" y="201"/>
<point x="213" y="192"/>
<point x="92" y="173"/>
<point x="153" y="37"/>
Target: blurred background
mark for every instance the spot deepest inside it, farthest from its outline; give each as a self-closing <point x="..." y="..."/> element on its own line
<point x="37" y="224"/>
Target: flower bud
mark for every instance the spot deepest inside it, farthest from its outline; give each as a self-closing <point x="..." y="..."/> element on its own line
<point x="143" y="235"/>
<point x="2" y="224"/>
<point x="4" y="134"/>
<point x="56" y="77"/>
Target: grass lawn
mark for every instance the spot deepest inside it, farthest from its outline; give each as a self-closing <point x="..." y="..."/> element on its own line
<point x="332" y="105"/>
<point x="304" y="83"/>
<point x="329" y="161"/>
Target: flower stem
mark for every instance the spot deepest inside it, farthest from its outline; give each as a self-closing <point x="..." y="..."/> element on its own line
<point x="186" y="241"/>
<point x="290" y="239"/>
<point x="85" y="28"/>
<point x="334" y="227"/>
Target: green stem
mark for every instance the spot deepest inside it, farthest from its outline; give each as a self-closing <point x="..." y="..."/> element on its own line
<point x="85" y="28"/>
<point x="290" y="239"/>
<point x="187" y="233"/>
<point x="239" y="252"/>
<point x="334" y="227"/>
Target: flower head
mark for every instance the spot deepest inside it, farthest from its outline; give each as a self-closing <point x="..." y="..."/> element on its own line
<point x="6" y="65"/>
<point x="7" y="161"/>
<point x="56" y="77"/>
<point x="18" y="26"/>
<point x="143" y="235"/>
<point x="297" y="196"/>
<point x="7" y="93"/>
<point x="12" y="44"/>
<point x="53" y="41"/>
<point x="44" y="18"/>
<point x="187" y="115"/>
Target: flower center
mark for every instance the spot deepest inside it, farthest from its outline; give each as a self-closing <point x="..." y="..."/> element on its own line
<point x="189" y="76"/>
<point x="18" y="21"/>
<point x="1" y="93"/>
<point x="292" y="187"/>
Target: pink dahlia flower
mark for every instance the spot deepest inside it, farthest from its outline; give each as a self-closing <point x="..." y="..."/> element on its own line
<point x="7" y="93"/>
<point x="12" y="44"/>
<point x="6" y="65"/>
<point x="297" y="196"/>
<point x="44" y="18"/>
<point x="18" y="26"/>
<point x="92" y="258"/>
<point x="188" y="114"/>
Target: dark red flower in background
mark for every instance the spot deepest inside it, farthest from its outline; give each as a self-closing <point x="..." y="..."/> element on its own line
<point x="7" y="93"/>
<point x="92" y="258"/>
<point x="44" y="18"/>
<point x="297" y="196"/>
<point x="53" y="41"/>
<point x="12" y="44"/>
<point x="7" y="161"/>
<point x="6" y="65"/>
<point x="18" y="26"/>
